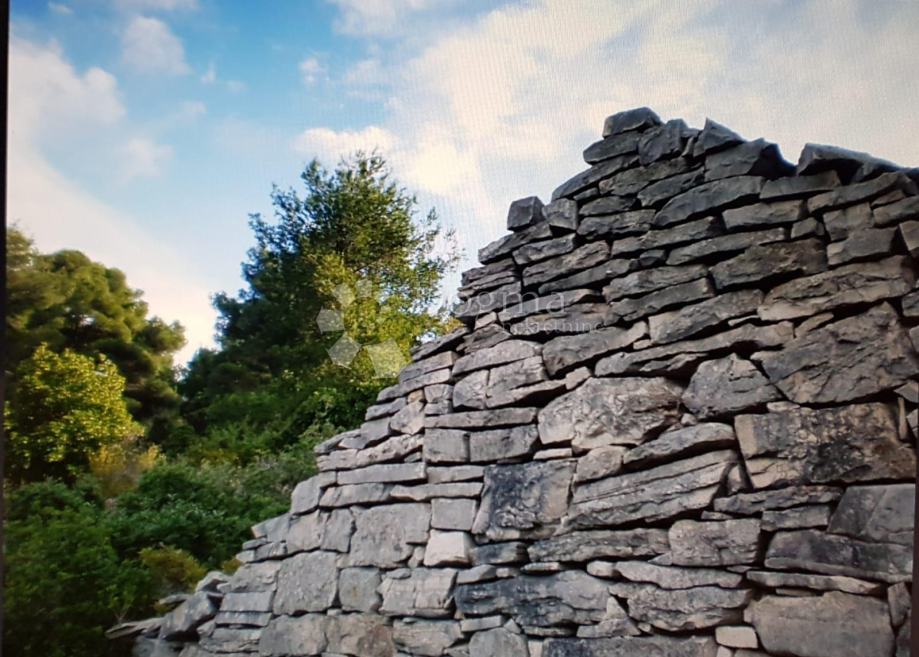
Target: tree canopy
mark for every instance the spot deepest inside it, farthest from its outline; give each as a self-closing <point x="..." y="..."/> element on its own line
<point x="66" y="301"/>
<point x="350" y="245"/>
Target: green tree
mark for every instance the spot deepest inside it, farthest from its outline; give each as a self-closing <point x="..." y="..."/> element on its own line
<point x="63" y="408"/>
<point x="67" y="301"/>
<point x="64" y="582"/>
<point x="354" y="230"/>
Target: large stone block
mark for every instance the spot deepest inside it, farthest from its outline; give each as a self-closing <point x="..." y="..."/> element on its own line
<point x="709" y="197"/>
<point x="619" y="411"/>
<point x="766" y="261"/>
<point x="676" y="610"/>
<point x="689" y="320"/>
<point x="567" y="352"/>
<point x="307" y="582"/>
<point x="727" y="386"/>
<point x="426" y="638"/>
<point x="384" y="535"/>
<point x="804" y="446"/>
<point x="568" y="597"/>
<point x="424" y="592"/>
<point x="662" y="492"/>
<point x="832" y="625"/>
<point x="524" y="500"/>
<point x="714" y="543"/>
<point x="577" y="546"/>
<point x="883" y="513"/>
<point x="658" y="646"/>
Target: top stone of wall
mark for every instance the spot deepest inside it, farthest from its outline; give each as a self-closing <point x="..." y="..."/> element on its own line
<point x="679" y="420"/>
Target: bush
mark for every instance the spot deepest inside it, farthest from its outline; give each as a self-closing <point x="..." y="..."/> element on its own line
<point x="172" y="570"/>
<point x="64" y="582"/>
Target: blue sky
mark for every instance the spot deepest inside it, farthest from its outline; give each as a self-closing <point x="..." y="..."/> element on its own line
<point x="145" y="131"/>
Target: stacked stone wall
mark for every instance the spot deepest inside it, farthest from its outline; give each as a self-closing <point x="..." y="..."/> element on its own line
<point x="679" y="420"/>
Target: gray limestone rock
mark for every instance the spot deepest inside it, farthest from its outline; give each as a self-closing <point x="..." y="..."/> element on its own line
<point x="501" y="444"/>
<point x="384" y="472"/>
<point x="714" y="543"/>
<point x="804" y="446"/>
<point x="285" y="635"/>
<point x="816" y="582"/>
<point x="483" y="419"/>
<point x="504" y="352"/>
<point x="424" y="592"/>
<point x="682" y="441"/>
<point x="714" y="137"/>
<point x="470" y="391"/>
<point x="782" y="498"/>
<point x="690" y="320"/>
<point x="426" y="365"/>
<point x="568" y="597"/>
<point x="833" y="554"/>
<point x="832" y="625"/>
<point x="649" y="280"/>
<point x="620" y="411"/>
<point x="500" y="553"/>
<point x="410" y="419"/>
<point x="184" y="619"/>
<point x="562" y="214"/>
<point x="664" y="141"/>
<point x="498" y="642"/>
<point x="846" y="360"/>
<point x="306" y="494"/>
<point x="307" y="582"/>
<point x="426" y="638"/>
<point x="751" y="158"/>
<point x="844" y="222"/>
<point x="536" y="251"/>
<point x="453" y="513"/>
<point x="639" y="118"/>
<point x="505" y="245"/>
<point x="357" y="589"/>
<point x="397" y="447"/>
<point x="586" y="545"/>
<point x="843" y="286"/>
<point x="599" y="462"/>
<point x="524" y="500"/>
<point x="765" y="214"/>
<point x="611" y="146"/>
<point x="671" y="577"/>
<point x="794" y="187"/>
<point x="882" y="513"/>
<point x="446" y="548"/>
<point x="659" y="192"/>
<point x="685" y="609"/>
<point x="909" y="233"/>
<point x="583" y="257"/>
<point x="524" y="212"/>
<point x="658" y="646"/>
<point x="729" y="243"/>
<point x="861" y="244"/>
<point x="727" y="386"/>
<point x="552" y="303"/>
<point x="900" y="211"/>
<point x="383" y="535"/>
<point x="593" y="175"/>
<point x="796" y="518"/>
<point x="851" y="194"/>
<point x="766" y="261"/>
<point x="637" y="307"/>
<point x="606" y="205"/>
<point x="616" y="225"/>
<point x="567" y="352"/>
<point x="708" y="198"/>
<point x="444" y="342"/>
<point x="662" y="492"/>
<point x="446" y="445"/>
<point x="426" y="492"/>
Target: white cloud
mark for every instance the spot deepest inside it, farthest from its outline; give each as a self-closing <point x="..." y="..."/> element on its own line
<point x="330" y="145"/>
<point x="60" y="8"/>
<point x="502" y="106"/>
<point x="48" y="100"/>
<point x="310" y="70"/>
<point x="144" y="158"/>
<point x="236" y="86"/>
<point x="149" y="46"/>
<point x="190" y="110"/>
<point x="379" y="17"/>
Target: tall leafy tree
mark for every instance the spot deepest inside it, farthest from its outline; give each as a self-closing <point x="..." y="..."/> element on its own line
<point x="64" y="408"/>
<point x="352" y="244"/>
<point x="67" y="301"/>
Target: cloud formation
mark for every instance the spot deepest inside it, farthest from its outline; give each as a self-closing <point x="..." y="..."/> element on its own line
<point x="149" y="46"/>
<point x="310" y="70"/>
<point x="143" y="157"/>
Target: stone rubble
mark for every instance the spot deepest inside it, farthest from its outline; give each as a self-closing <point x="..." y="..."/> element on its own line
<point x="679" y="420"/>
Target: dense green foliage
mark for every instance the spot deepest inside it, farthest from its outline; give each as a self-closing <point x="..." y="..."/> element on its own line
<point x="67" y="301"/>
<point x="127" y="484"/>
<point x="349" y="244"/>
<point x="64" y="407"/>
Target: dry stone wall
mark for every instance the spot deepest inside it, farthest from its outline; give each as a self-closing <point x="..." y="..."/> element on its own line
<point x="679" y="421"/>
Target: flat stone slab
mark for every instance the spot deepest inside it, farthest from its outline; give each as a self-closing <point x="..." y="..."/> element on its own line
<point x="832" y="625"/>
<point x="792" y="447"/>
<point x="659" y="646"/>
<point x="714" y="543"/>
<point x="655" y="494"/>
<point x="598" y="544"/>
<point x="619" y="411"/>
<point x="524" y="500"/>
